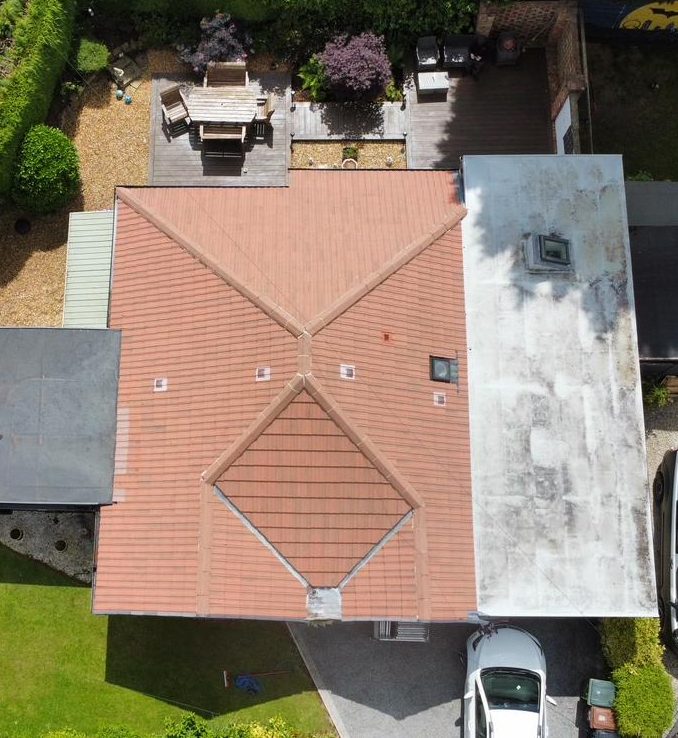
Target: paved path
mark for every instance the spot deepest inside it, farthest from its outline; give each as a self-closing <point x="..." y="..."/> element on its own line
<point x="411" y="690"/>
<point x="346" y="121"/>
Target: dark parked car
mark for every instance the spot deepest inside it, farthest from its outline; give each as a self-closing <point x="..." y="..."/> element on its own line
<point x="665" y="492"/>
<point x="428" y="53"/>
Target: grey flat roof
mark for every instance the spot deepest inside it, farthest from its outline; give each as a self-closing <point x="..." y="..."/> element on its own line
<point x="561" y="507"/>
<point x="654" y="252"/>
<point x="58" y="395"/>
<point x="652" y="203"/>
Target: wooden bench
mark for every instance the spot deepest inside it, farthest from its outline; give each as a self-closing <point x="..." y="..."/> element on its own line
<point x="223" y="132"/>
<point x="226" y="74"/>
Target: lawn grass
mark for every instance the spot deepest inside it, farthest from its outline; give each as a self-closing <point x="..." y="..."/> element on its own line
<point x="635" y="106"/>
<point x="62" y="667"/>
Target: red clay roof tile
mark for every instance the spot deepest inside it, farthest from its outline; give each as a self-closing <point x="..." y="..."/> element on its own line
<point x="314" y="473"/>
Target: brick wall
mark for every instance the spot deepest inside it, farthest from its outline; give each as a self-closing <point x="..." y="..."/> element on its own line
<point x="549" y="24"/>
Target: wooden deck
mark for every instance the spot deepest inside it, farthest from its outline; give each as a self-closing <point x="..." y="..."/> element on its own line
<point x="177" y="160"/>
<point x="504" y="111"/>
<point x="343" y="121"/>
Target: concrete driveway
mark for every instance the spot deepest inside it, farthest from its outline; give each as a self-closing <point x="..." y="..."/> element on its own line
<point x="374" y="689"/>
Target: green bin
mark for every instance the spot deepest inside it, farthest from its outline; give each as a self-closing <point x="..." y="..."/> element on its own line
<point x="599" y="693"/>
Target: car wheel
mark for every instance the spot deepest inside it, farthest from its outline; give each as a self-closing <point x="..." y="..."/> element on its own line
<point x="658" y="487"/>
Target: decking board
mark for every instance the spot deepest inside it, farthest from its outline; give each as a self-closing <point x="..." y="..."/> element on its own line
<point x="178" y="161"/>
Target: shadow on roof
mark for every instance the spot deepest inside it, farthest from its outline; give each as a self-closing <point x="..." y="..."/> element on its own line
<point x="181" y="661"/>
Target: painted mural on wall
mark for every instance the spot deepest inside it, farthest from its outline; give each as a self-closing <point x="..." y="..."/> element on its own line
<point x="638" y="15"/>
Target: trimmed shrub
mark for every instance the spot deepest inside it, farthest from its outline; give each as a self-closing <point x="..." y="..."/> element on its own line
<point x="313" y="79"/>
<point x="631" y="641"/>
<point x="42" y="39"/>
<point x="92" y="56"/>
<point x="645" y="701"/>
<point x="356" y="68"/>
<point x="220" y="41"/>
<point x="187" y="726"/>
<point x="117" y="731"/>
<point x="47" y="175"/>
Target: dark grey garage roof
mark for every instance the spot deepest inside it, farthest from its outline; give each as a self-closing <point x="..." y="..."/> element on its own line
<point x="653" y="229"/>
<point x="58" y="394"/>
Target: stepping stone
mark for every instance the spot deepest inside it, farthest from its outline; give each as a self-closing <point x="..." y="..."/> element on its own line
<point x="124" y="70"/>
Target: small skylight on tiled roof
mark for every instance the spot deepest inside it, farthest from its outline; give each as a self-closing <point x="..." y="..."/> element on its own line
<point x="347" y="371"/>
<point x="263" y="374"/>
<point x="160" y="384"/>
<point x="443" y="369"/>
<point x="439" y="399"/>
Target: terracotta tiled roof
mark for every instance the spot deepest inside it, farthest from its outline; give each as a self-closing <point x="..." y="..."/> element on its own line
<point x="235" y="497"/>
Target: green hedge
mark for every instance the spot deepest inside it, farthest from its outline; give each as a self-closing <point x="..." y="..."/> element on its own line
<point x="249" y="10"/>
<point x="42" y="39"/>
<point x="645" y="701"/>
<point x="631" y="641"/>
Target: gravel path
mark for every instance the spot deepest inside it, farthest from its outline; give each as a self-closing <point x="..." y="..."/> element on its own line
<point x="112" y="141"/>
<point x="371" y="155"/>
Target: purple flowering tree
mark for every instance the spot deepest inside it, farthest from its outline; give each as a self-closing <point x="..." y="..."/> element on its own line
<point x="219" y="41"/>
<point x="356" y="68"/>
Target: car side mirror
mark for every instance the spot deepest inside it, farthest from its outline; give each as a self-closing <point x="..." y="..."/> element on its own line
<point x="468" y="695"/>
<point x="550" y="700"/>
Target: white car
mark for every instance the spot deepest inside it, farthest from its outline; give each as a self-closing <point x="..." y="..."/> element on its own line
<point x="505" y="695"/>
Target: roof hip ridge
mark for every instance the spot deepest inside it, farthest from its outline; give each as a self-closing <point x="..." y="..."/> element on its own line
<point x="404" y="256"/>
<point x="265" y="304"/>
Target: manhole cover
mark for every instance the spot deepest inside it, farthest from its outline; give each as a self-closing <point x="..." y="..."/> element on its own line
<point x="16" y="534"/>
<point x="60" y="545"/>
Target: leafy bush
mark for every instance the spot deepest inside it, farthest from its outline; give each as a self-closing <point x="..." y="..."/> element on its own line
<point x="65" y="733"/>
<point x="42" y="39"/>
<point x="47" y="175"/>
<point x="314" y="79"/>
<point x="641" y="176"/>
<point x="187" y="726"/>
<point x="10" y="12"/>
<point x="656" y="395"/>
<point x="92" y="56"/>
<point x="645" y="700"/>
<point x="273" y="728"/>
<point x="350" y="152"/>
<point x="393" y="92"/>
<point x="631" y="641"/>
<point x="358" y="67"/>
<point x="117" y="731"/>
<point x="220" y="41"/>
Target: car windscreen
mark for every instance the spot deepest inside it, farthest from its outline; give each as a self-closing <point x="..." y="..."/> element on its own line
<point x="511" y="689"/>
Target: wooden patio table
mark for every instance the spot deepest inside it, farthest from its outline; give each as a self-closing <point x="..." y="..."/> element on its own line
<point x="222" y="105"/>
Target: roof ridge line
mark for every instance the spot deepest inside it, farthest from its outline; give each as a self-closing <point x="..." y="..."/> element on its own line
<point x="259" y="535"/>
<point x="378" y="546"/>
<point x="405" y="255"/>
<point x="254" y="430"/>
<point x="265" y="304"/>
<point x="361" y="440"/>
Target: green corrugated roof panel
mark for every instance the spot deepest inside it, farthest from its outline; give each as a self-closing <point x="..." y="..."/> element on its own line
<point x="88" y="269"/>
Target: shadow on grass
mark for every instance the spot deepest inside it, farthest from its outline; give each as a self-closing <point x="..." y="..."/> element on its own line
<point x="182" y="660"/>
<point x="18" y="569"/>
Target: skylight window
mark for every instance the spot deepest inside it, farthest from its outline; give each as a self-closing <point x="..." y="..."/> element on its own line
<point x="548" y="253"/>
<point x="443" y="369"/>
<point x="160" y="384"/>
<point x="554" y="250"/>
